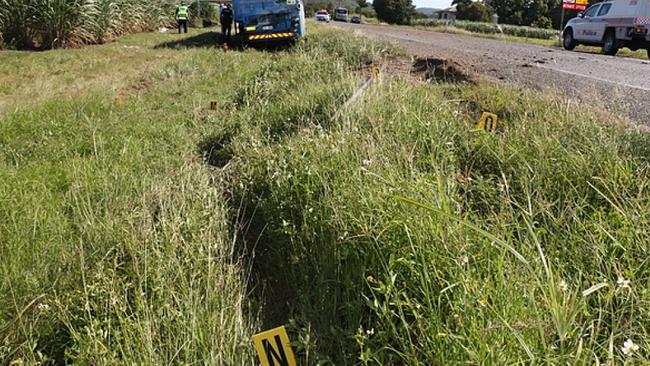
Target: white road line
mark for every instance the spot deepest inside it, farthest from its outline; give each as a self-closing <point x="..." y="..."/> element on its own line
<point x="592" y="77"/>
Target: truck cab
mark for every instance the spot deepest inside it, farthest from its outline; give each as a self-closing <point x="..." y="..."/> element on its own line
<point x="269" y="20"/>
<point x="612" y="24"/>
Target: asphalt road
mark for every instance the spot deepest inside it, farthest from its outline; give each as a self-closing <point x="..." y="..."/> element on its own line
<point x="618" y="84"/>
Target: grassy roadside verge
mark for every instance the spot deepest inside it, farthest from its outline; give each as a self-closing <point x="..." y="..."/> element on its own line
<point x="387" y="233"/>
<point x="35" y="78"/>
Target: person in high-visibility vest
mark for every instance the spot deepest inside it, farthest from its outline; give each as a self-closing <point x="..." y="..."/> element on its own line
<point x="182" y="15"/>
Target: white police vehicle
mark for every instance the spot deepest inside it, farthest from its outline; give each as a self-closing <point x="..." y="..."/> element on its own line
<point x="612" y="24"/>
<point x="323" y="16"/>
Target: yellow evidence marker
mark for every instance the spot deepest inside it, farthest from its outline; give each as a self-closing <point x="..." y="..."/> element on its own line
<point x="375" y="72"/>
<point x="273" y="348"/>
<point x="487" y="122"/>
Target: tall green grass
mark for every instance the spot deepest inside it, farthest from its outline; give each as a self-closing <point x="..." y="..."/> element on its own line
<point x="119" y="245"/>
<point x="398" y="234"/>
<point x="115" y="240"/>
<point x="64" y="23"/>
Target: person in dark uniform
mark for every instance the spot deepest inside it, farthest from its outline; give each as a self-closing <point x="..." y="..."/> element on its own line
<point x="226" y="21"/>
<point x="182" y="16"/>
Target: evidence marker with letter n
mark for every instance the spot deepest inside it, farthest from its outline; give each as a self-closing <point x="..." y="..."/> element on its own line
<point x="273" y="348"/>
<point x="487" y="122"/>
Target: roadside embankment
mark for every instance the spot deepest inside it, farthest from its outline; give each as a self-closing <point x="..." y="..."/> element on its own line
<point x="139" y="226"/>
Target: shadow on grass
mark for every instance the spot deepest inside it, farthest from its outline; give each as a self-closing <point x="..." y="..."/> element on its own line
<point x="214" y="39"/>
<point x="202" y="40"/>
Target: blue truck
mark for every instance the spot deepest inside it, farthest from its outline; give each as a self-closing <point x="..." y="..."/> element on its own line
<point x="269" y="20"/>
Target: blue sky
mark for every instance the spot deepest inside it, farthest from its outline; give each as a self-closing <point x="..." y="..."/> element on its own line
<point x="432" y="3"/>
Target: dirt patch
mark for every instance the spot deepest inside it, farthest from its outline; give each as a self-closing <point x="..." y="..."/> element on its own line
<point x="439" y="70"/>
<point x="423" y="70"/>
<point x="141" y="84"/>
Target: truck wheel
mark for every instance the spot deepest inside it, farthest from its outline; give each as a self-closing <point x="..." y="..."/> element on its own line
<point x="569" y="43"/>
<point x="610" y="45"/>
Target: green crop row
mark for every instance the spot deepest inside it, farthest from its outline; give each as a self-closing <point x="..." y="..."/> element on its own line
<point x="491" y="28"/>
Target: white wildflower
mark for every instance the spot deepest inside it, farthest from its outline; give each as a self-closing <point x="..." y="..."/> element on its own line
<point x="629" y="347"/>
<point x="623" y="283"/>
<point x="464" y="259"/>
<point x="370" y="332"/>
<point x="43" y="307"/>
<point x="563" y="286"/>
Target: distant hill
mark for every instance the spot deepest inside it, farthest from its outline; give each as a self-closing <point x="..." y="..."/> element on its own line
<point x="427" y="11"/>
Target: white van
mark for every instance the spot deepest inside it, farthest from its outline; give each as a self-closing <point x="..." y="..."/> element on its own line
<point x="612" y="24"/>
<point x="341" y="14"/>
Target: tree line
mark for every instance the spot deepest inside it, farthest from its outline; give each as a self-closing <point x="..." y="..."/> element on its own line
<point x="534" y="13"/>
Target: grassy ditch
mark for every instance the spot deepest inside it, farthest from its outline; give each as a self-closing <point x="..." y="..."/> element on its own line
<point x="118" y="242"/>
<point x="139" y="227"/>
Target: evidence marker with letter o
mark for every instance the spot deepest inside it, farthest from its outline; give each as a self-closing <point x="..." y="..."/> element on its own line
<point x="487" y="122"/>
<point x="273" y="348"/>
